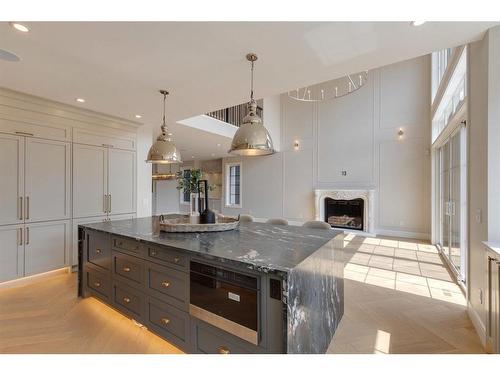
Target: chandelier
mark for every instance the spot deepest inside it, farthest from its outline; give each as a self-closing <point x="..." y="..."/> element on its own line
<point x="336" y="89"/>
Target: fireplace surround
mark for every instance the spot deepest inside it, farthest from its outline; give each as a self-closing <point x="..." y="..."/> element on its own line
<point x="345" y="219"/>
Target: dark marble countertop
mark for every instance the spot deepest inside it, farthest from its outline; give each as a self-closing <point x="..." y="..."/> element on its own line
<point x="263" y="246"/>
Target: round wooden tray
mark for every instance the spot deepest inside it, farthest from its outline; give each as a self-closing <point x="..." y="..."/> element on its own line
<point x="181" y="224"/>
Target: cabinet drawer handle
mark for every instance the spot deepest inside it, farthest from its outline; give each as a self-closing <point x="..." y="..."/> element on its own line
<point x="27" y="208"/>
<point x="177" y="259"/>
<point x="126" y="269"/>
<point x="20" y="208"/>
<point x="165" y="321"/>
<point x="27" y="242"/>
<point x="98" y="251"/>
<point x="126" y="299"/>
<point x="97" y="284"/>
<point x="223" y="350"/>
<point x="166" y="284"/>
<point x="154" y="253"/>
<point x="20" y="236"/>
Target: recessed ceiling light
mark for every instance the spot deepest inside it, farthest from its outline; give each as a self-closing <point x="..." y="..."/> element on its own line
<point x="213" y="154"/>
<point x="138" y="116"/>
<point x="417" y="23"/>
<point x="218" y="144"/>
<point x="192" y="156"/>
<point x="19" y="27"/>
<point x="80" y="100"/>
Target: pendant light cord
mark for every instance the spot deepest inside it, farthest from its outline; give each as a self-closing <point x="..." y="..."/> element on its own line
<point x="251" y="85"/>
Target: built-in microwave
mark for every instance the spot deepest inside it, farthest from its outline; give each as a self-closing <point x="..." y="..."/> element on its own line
<point x="226" y="299"/>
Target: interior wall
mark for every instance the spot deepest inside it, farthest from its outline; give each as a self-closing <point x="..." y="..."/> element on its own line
<point x="357" y="134"/>
<point x="144" y="197"/>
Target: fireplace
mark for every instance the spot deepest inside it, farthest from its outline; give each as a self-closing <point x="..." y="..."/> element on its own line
<point x="345" y="213"/>
<point x="349" y="209"/>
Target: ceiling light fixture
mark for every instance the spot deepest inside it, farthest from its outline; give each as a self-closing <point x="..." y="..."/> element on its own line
<point x="252" y="138"/>
<point x="80" y="100"/>
<point x="417" y="23"/>
<point x="164" y="151"/>
<point x="19" y="27"/>
<point x="344" y="86"/>
<point x="138" y="116"/>
<point x="8" y="56"/>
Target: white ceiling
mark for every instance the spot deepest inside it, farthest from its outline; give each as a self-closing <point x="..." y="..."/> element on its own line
<point x="119" y="66"/>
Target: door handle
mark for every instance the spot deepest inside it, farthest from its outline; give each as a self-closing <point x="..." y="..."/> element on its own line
<point x="27" y="236"/>
<point x="109" y="203"/>
<point x="27" y="208"/>
<point x="20" y="208"/>
<point x="20" y="236"/>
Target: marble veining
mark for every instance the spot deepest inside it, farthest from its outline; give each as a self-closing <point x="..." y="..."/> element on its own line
<point x="264" y="247"/>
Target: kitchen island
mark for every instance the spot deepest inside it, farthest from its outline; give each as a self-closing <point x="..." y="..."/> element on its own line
<point x="259" y="289"/>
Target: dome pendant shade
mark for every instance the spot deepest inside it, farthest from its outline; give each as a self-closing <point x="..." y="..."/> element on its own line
<point x="252" y="138"/>
<point x="164" y="151"/>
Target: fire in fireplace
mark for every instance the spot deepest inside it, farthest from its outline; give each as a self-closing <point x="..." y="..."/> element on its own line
<point x="342" y="213"/>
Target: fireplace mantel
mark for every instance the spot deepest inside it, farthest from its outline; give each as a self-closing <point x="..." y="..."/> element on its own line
<point x="367" y="195"/>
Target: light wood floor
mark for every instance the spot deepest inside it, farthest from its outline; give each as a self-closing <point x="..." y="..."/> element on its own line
<point x="399" y="298"/>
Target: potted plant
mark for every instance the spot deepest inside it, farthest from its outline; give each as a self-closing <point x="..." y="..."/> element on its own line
<point x="187" y="181"/>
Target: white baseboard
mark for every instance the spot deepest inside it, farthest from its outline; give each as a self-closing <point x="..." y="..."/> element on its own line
<point x="477" y="323"/>
<point x="30" y="279"/>
<point x="403" y="234"/>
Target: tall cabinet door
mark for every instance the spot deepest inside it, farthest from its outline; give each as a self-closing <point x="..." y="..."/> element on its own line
<point x="90" y="182"/>
<point x="11" y="252"/>
<point x="46" y="246"/>
<point x="12" y="180"/>
<point x="121" y="183"/>
<point x="47" y="180"/>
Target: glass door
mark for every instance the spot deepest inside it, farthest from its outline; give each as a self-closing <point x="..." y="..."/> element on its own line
<point x="452" y="164"/>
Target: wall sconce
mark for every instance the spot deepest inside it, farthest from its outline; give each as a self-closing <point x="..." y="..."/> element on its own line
<point x="296" y="145"/>
<point x="400" y="133"/>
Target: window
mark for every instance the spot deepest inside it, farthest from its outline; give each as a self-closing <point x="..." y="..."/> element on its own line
<point x="233" y="185"/>
<point x="440" y="60"/>
<point x="184" y="195"/>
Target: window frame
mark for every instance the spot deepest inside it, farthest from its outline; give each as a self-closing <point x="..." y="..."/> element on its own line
<point x="227" y="185"/>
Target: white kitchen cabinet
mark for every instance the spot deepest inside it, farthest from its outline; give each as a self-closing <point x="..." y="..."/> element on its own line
<point x="121" y="181"/>
<point x="103" y="181"/>
<point x="46" y="246"/>
<point x="47" y="180"/>
<point x="12" y="181"/>
<point x="11" y="252"/>
<point x="90" y="181"/>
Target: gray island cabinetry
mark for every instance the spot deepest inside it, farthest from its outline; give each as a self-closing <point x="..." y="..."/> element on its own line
<point x="258" y="289"/>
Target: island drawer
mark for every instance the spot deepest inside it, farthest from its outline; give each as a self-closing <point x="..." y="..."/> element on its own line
<point x="129" y="268"/>
<point x="126" y="245"/>
<point x="168" y="285"/>
<point x="167" y="257"/>
<point x="211" y="340"/>
<point x="99" y="283"/>
<point x="98" y="250"/>
<point x="168" y="321"/>
<point x="128" y="300"/>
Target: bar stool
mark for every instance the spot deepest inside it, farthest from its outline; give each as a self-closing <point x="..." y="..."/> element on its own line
<point x="316" y="224"/>
<point x="277" y="221"/>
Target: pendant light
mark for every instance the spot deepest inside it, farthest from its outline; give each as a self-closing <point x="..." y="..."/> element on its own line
<point x="252" y="138"/>
<point x="163" y="151"/>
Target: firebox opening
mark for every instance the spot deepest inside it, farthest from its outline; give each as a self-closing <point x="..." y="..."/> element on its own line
<point x="346" y="214"/>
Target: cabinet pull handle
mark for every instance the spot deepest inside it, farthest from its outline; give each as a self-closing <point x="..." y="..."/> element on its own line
<point x="27" y="208"/>
<point x="109" y="203"/>
<point x="20" y="236"/>
<point x="20" y="208"/>
<point x="176" y="259"/>
<point x="105" y="203"/>
<point x="126" y="299"/>
<point x="98" y="251"/>
<point x="165" y="284"/>
<point x="126" y="269"/>
<point x="153" y="253"/>
<point x="97" y="284"/>
<point x="223" y="350"/>
<point x="27" y="236"/>
<point x="24" y="133"/>
<point x="165" y="321"/>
